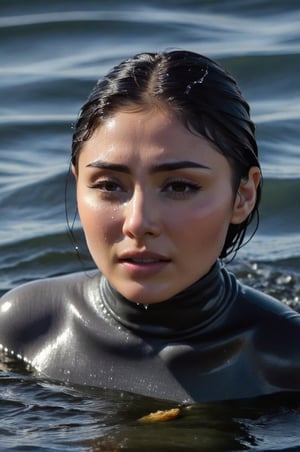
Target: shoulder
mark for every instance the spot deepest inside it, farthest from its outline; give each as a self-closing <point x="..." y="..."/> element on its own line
<point x="270" y="324"/>
<point x="266" y="307"/>
<point x="254" y="309"/>
<point x="41" y="293"/>
<point x="275" y="338"/>
<point x="37" y="306"/>
<point x="265" y="314"/>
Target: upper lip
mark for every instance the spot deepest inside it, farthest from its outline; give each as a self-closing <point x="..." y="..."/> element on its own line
<point x="142" y="255"/>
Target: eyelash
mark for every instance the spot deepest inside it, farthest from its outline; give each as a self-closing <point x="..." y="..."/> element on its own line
<point x="191" y="188"/>
<point x="103" y="185"/>
<point x="188" y="188"/>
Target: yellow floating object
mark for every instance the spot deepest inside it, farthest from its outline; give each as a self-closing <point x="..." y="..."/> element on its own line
<point x="161" y="416"/>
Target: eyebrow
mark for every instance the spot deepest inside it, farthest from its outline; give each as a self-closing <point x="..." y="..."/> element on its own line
<point x="168" y="166"/>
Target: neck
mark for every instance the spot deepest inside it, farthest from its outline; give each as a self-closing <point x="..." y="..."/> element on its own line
<point x="197" y="307"/>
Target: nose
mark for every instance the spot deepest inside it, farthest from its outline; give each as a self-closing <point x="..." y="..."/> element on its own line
<point x="141" y="216"/>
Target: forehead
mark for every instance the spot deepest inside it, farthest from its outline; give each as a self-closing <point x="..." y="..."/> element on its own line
<point x="147" y="136"/>
<point x="150" y="125"/>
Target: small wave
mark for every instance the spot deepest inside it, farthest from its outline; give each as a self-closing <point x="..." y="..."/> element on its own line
<point x="25" y="119"/>
<point x="42" y="255"/>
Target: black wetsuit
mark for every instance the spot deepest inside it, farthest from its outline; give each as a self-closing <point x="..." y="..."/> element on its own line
<point x="216" y="340"/>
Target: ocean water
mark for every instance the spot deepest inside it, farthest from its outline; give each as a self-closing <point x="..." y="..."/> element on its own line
<point x="52" y="53"/>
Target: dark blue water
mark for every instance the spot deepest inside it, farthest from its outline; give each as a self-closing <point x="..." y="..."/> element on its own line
<point x="51" y="54"/>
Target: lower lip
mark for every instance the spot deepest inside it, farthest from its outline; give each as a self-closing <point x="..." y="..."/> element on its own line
<point x="144" y="269"/>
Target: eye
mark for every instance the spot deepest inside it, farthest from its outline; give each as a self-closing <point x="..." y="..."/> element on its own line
<point x="180" y="188"/>
<point x="107" y="186"/>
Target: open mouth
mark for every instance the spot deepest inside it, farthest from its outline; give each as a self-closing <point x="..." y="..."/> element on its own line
<point x="145" y="263"/>
<point x="144" y="266"/>
<point x="137" y="260"/>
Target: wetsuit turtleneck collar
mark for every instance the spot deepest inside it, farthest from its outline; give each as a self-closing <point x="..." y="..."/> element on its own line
<point x="191" y="310"/>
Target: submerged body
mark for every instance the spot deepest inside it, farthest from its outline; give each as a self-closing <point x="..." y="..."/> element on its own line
<point x="219" y="341"/>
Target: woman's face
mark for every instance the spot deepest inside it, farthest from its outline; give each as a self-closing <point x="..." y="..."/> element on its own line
<point x="155" y="202"/>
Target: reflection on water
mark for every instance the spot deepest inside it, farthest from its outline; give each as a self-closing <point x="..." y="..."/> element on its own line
<point x="92" y="419"/>
<point x="281" y="281"/>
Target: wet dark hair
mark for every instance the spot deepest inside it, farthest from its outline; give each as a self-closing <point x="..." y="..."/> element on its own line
<point x="202" y="95"/>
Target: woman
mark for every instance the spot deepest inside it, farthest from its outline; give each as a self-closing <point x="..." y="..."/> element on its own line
<point x="168" y="180"/>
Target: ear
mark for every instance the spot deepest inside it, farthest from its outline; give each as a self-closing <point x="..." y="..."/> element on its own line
<point x="246" y="196"/>
<point x="74" y="172"/>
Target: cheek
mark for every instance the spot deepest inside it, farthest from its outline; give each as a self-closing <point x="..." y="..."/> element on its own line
<point x="100" y="222"/>
<point x="203" y="225"/>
